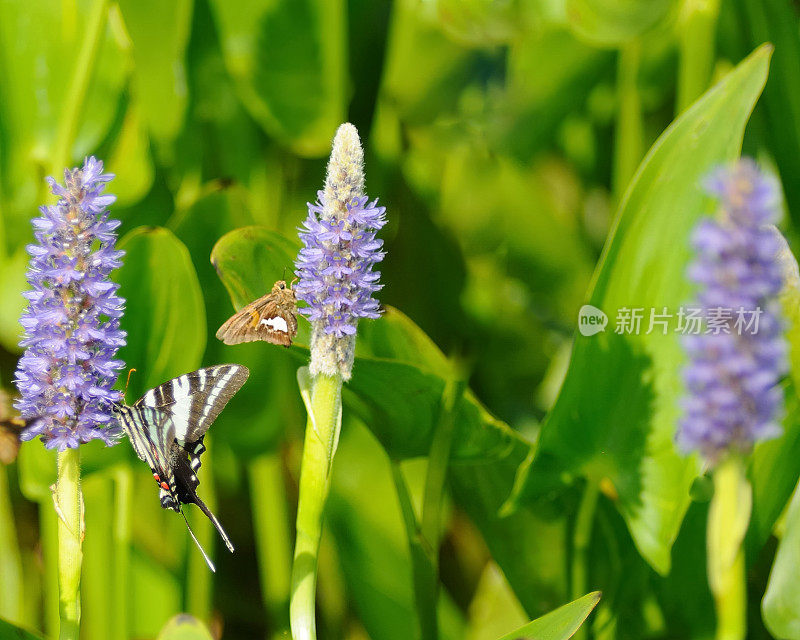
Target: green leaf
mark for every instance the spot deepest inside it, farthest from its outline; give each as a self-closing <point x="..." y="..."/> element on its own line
<point x="288" y="60"/>
<point x="249" y="261"/>
<point x="560" y="624"/>
<point x="35" y="76"/>
<point x="615" y="22"/>
<point x="12" y="284"/>
<point x="781" y="603"/>
<point x="775" y="21"/>
<point x="129" y="159"/>
<point x="184" y="627"/>
<point x="624" y="434"/>
<point x="396" y="390"/>
<point x="159" y="32"/>
<point x="165" y="316"/>
<point x="371" y="542"/>
<point x="9" y="631"/>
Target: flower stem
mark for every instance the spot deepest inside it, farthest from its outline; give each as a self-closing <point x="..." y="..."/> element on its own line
<point x="11" y="595"/>
<point x="728" y="518"/>
<point x="696" y="28"/>
<point x="78" y="87"/>
<point x="424" y="569"/>
<point x="629" y="143"/>
<point x="272" y="537"/>
<point x="581" y="537"/>
<point x="199" y="585"/>
<point x="323" y="399"/>
<point x="69" y="507"/>
<point x="123" y="482"/>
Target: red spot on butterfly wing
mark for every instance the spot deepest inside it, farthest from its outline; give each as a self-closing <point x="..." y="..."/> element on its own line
<point x="165" y="486"/>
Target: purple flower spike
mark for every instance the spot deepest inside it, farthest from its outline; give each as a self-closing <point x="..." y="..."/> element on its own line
<point x="335" y="266"/>
<point x="734" y="366"/>
<point x="71" y="324"/>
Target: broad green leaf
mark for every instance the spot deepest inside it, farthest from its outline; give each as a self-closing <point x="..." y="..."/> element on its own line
<point x="9" y="631"/>
<point x="12" y="284"/>
<point x="399" y="374"/>
<point x="159" y="32"/>
<point x="494" y="608"/>
<point x="130" y="159"/>
<point x="256" y="420"/>
<point x="773" y="467"/>
<point x="614" y="22"/>
<point x="249" y="261"/>
<point x="781" y="604"/>
<point x="396" y="390"/>
<point x="624" y="433"/>
<point x="165" y="315"/>
<point x="560" y="624"/>
<point x="36" y="70"/>
<point x="288" y="59"/>
<point x="370" y="539"/>
<point x="773" y="473"/>
<point x="184" y="627"/>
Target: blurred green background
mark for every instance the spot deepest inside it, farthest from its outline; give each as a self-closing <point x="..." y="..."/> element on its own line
<point x="501" y="136"/>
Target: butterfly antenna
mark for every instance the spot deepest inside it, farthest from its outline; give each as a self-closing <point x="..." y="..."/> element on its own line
<point x="197" y="542"/>
<point x="128" y="381"/>
<point x="215" y="522"/>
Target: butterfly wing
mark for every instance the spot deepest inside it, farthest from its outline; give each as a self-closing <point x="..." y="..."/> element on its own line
<point x="152" y="435"/>
<point x="272" y="318"/>
<point x="194" y="400"/>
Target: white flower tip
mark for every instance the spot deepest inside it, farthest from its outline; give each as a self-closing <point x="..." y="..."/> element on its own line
<point x="345" y="179"/>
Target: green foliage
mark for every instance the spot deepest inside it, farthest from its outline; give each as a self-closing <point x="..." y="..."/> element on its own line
<point x="184" y="627"/>
<point x="560" y="624"/>
<point x="9" y="631"/>
<point x="502" y="137"/>
<point x="165" y="306"/>
<point x="625" y="437"/>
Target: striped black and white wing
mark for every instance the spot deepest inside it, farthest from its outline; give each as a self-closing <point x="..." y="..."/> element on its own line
<point x="152" y="435"/>
<point x="194" y="400"/>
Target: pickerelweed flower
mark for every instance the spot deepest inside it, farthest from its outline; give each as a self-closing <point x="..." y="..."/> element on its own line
<point x="72" y="320"/>
<point x="733" y="399"/>
<point x="335" y="265"/>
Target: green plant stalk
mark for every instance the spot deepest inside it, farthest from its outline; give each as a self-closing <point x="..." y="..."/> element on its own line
<point x="424" y="536"/>
<point x="273" y="547"/>
<point x="78" y="87"/>
<point x="48" y="521"/>
<point x="439" y="462"/>
<point x="629" y="144"/>
<point x="199" y="580"/>
<point x="697" y="24"/>
<point x="121" y="544"/>
<point x="581" y="537"/>
<point x="69" y="507"/>
<point x="11" y="595"/>
<point x="728" y="519"/>
<point x="97" y="570"/>
<point x="424" y="569"/>
<point x="322" y="432"/>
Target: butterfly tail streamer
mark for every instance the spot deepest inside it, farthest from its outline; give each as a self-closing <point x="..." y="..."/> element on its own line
<point x="197" y="542"/>
<point x="215" y="522"/>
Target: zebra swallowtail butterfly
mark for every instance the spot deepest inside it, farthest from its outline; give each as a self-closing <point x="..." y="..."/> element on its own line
<point x="271" y="318"/>
<point x="166" y="427"/>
